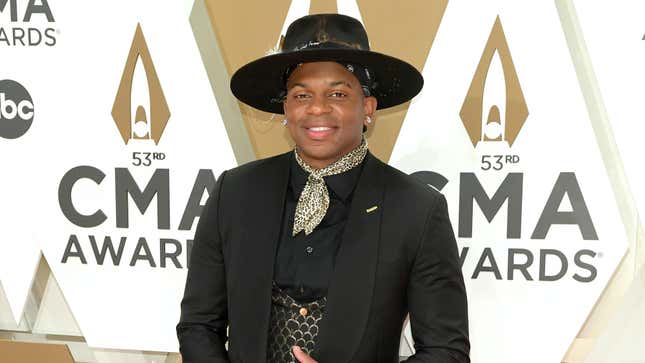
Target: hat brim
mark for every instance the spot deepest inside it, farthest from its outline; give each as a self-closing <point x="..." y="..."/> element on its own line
<point x="259" y="83"/>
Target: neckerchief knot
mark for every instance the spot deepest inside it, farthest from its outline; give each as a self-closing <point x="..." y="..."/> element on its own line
<point x="314" y="199"/>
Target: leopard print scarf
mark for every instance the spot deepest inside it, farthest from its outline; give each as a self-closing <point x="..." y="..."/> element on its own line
<point x="314" y="199"/>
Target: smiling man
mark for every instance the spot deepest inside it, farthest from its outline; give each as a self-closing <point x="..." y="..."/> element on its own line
<point x="318" y="254"/>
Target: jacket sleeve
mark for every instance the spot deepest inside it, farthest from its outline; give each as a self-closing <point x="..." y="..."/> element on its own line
<point x="437" y="296"/>
<point x="204" y="319"/>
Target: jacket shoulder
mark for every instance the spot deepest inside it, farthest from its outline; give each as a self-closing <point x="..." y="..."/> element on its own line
<point x="253" y="169"/>
<point x="408" y="187"/>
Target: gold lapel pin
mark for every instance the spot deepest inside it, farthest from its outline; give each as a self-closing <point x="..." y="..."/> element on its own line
<point x="371" y="209"/>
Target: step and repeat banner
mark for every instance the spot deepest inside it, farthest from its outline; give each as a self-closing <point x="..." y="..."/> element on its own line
<point x="111" y="137"/>
<point x="30" y="36"/>
<point x="502" y="129"/>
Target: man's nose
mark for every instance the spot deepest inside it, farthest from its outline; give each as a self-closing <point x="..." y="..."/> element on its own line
<point x="318" y="105"/>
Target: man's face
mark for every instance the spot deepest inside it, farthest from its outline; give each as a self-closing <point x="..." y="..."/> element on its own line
<point x="326" y="110"/>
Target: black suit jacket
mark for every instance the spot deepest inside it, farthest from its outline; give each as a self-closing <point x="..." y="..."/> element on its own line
<point x="396" y="258"/>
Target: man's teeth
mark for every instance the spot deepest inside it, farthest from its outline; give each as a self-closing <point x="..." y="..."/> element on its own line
<point x="319" y="128"/>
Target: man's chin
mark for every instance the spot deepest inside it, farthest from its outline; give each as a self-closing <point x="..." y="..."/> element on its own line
<point x="318" y="155"/>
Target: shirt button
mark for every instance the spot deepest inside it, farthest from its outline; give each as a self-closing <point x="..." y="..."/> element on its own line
<point x="309" y="249"/>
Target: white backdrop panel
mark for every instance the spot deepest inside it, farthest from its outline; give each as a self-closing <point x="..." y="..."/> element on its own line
<point x="132" y="303"/>
<point x="534" y="314"/>
<point x="618" y="53"/>
<point x="25" y="104"/>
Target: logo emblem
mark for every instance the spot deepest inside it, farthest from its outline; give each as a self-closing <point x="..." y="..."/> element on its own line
<point x="140" y="110"/>
<point x="16" y="109"/>
<point x="494" y="110"/>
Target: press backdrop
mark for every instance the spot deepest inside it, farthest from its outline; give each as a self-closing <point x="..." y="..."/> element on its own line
<point x="116" y="118"/>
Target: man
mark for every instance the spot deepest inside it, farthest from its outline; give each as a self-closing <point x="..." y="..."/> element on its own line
<point x="317" y="255"/>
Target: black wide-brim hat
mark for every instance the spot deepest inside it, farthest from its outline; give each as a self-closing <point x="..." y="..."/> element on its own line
<point x="320" y="38"/>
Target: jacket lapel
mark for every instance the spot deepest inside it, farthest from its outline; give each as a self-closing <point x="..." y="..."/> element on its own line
<point x="257" y="249"/>
<point x="349" y="296"/>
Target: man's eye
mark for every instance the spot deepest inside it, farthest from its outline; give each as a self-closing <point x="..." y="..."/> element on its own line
<point x="300" y="96"/>
<point x="338" y="94"/>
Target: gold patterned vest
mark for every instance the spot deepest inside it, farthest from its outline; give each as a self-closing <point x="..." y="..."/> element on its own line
<point x="292" y="324"/>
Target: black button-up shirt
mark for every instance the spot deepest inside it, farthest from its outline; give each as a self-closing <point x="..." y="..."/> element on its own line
<point x="304" y="263"/>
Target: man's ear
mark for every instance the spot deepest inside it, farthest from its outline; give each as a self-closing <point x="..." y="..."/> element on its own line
<point x="369" y="105"/>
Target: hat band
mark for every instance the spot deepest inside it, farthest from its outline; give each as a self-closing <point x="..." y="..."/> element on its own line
<point x="327" y="45"/>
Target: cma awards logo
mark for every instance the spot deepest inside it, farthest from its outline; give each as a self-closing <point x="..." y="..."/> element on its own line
<point x="495" y="75"/>
<point x="141" y="113"/>
<point x="488" y="122"/>
<point x="27" y="23"/>
<point x="138" y="92"/>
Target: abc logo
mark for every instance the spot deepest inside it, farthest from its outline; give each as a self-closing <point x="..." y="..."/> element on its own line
<point x="16" y="109"/>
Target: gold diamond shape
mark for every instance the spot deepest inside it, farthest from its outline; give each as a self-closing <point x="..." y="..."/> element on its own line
<point x="159" y="114"/>
<point x="516" y="109"/>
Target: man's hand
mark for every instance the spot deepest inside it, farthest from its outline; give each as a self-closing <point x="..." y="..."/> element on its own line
<point x="301" y="356"/>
